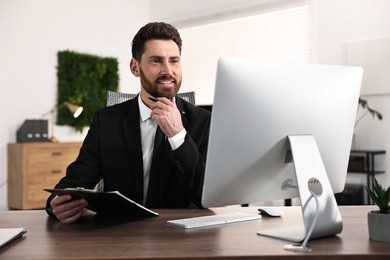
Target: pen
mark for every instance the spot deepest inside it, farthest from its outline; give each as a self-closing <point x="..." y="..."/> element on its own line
<point x="79" y="189"/>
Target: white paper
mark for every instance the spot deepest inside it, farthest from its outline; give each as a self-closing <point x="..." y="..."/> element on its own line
<point x="9" y="234"/>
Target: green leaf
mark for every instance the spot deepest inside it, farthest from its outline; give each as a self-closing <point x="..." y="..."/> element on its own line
<point x="380" y="196"/>
<point x="374" y="113"/>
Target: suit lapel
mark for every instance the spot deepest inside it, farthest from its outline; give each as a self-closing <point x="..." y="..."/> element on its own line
<point x="132" y="133"/>
<point x="180" y="106"/>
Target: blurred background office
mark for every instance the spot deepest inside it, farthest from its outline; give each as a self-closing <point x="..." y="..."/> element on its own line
<point x="329" y="31"/>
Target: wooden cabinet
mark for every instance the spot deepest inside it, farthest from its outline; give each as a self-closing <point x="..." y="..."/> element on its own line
<point x="33" y="167"/>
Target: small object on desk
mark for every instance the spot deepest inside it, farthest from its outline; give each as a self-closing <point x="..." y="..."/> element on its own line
<point x="7" y="235"/>
<point x="271" y="211"/>
<point x="213" y="220"/>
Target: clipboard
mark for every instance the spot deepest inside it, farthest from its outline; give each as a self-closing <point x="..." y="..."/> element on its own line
<point x="111" y="202"/>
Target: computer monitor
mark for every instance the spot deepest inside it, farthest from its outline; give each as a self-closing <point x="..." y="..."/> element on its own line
<point x="269" y="114"/>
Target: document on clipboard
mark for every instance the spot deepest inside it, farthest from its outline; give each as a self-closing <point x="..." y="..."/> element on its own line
<point x="7" y="235"/>
<point x="111" y="202"/>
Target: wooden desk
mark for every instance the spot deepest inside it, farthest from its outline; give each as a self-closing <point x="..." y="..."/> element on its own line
<point x="152" y="238"/>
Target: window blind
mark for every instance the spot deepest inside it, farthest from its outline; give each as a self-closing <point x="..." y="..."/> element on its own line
<point x="281" y="35"/>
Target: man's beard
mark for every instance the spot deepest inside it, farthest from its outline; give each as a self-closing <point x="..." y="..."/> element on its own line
<point x="153" y="89"/>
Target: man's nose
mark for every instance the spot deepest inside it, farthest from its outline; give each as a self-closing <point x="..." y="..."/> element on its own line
<point x="166" y="68"/>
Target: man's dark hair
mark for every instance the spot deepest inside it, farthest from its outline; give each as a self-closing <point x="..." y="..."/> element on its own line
<point x="154" y="31"/>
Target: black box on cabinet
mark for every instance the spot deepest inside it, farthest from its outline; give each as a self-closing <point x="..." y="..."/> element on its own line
<point x="33" y="130"/>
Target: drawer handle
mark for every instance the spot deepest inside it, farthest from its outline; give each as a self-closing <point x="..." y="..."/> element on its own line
<point x="56" y="153"/>
<point x="56" y="171"/>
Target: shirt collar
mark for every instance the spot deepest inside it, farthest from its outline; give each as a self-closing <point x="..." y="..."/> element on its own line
<point x="144" y="111"/>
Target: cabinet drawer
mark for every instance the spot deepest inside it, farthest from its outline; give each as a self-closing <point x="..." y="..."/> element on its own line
<point x="36" y="155"/>
<point x="34" y="191"/>
<point x="38" y="169"/>
<point x="33" y="167"/>
<point x="45" y="179"/>
<point x="51" y="161"/>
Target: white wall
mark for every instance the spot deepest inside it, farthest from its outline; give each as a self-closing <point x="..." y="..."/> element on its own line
<point x="200" y="11"/>
<point x="337" y="23"/>
<point x="33" y="31"/>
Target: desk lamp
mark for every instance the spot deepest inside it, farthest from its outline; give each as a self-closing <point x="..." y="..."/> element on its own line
<point x="75" y="110"/>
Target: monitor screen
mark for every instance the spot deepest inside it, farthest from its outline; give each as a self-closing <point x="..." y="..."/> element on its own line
<point x="257" y="104"/>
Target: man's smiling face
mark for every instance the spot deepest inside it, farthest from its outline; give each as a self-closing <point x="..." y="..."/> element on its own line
<point x="160" y="68"/>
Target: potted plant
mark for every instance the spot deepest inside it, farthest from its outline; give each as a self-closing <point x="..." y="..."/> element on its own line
<point x="363" y="110"/>
<point x="364" y="105"/>
<point x="379" y="220"/>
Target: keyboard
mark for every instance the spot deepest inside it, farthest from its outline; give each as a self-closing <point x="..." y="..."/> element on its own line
<point x="213" y="220"/>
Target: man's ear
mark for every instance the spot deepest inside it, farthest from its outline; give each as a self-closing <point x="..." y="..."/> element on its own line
<point x="134" y="67"/>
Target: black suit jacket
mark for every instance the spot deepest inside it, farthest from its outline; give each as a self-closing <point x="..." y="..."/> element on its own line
<point x="112" y="150"/>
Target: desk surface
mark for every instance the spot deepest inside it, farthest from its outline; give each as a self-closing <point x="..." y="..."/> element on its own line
<point x="96" y="237"/>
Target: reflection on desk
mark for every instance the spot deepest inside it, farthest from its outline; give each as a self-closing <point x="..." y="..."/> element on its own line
<point x="151" y="238"/>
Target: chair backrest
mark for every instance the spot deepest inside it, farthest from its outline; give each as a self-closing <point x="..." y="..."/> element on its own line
<point x="114" y="97"/>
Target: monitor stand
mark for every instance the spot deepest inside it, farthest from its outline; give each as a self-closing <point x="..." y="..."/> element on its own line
<point x="321" y="216"/>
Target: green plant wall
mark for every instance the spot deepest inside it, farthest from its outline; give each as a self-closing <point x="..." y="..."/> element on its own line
<point x="84" y="79"/>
